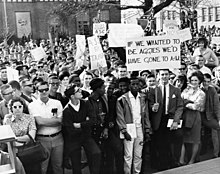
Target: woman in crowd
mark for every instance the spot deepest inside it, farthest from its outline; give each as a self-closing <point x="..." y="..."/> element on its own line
<point x="64" y="79"/>
<point x="23" y="126"/>
<point x="180" y="82"/>
<point x="194" y="103"/>
<point x="207" y="53"/>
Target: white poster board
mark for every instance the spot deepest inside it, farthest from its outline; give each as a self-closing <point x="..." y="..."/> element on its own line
<point x="99" y="29"/>
<point x="184" y="34"/>
<point x="170" y="26"/>
<point x="216" y="40"/>
<point x="119" y="33"/>
<point x="12" y="74"/>
<point x="153" y="52"/>
<point x="97" y="56"/>
<point x="38" y="53"/>
<point x="80" y="49"/>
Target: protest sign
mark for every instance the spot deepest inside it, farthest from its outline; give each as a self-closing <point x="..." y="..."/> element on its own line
<point x="216" y="40"/>
<point x="80" y="45"/>
<point x="118" y="33"/>
<point x="183" y="35"/>
<point x="97" y="56"/>
<point x="153" y="52"/>
<point x="99" y="29"/>
<point x="12" y="74"/>
<point x="170" y="26"/>
<point x="38" y="53"/>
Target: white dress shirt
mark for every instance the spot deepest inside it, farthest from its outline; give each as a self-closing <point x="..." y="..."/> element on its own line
<point x="75" y="107"/>
<point x="39" y="108"/>
<point x="136" y="108"/>
<point x="167" y="96"/>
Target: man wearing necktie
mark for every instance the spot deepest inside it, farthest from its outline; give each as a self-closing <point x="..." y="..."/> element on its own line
<point x="165" y="103"/>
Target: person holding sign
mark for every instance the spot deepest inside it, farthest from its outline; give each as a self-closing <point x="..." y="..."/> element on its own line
<point x="165" y="103"/>
<point x="133" y="121"/>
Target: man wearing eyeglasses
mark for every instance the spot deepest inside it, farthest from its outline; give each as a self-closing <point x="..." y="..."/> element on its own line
<point x="48" y="116"/>
<point x="6" y="94"/>
<point x="54" y="84"/>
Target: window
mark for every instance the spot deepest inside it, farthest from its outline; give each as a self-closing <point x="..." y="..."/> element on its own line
<point x="169" y="13"/>
<point x="204" y="14"/>
<point x="174" y="15"/>
<point x="104" y="15"/>
<point x="83" y="27"/>
<point x="211" y="14"/>
<point x="217" y="13"/>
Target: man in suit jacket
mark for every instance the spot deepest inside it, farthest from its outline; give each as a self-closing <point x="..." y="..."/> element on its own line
<point x="165" y="103"/>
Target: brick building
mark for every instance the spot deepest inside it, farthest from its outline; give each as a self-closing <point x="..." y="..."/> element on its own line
<point x="31" y="17"/>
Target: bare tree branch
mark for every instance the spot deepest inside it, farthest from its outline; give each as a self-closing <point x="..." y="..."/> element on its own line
<point x="162" y="5"/>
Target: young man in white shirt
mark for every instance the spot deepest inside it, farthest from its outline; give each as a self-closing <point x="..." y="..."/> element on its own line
<point x="48" y="116"/>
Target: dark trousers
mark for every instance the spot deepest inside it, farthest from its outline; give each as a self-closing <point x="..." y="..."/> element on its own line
<point x="92" y="152"/>
<point x="165" y="147"/>
<point x="114" y="154"/>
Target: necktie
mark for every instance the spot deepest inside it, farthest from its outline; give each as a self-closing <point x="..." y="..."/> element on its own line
<point x="164" y="99"/>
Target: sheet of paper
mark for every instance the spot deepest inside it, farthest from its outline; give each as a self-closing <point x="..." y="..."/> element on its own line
<point x="131" y="129"/>
<point x="170" y="122"/>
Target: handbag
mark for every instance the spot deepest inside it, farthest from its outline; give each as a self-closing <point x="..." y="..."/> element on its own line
<point x="32" y="152"/>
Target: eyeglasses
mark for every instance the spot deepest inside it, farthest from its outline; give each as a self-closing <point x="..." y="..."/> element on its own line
<point x="30" y="85"/>
<point x="16" y="107"/>
<point x="54" y="84"/>
<point x="43" y="90"/>
<point x="181" y="69"/>
<point x="40" y="66"/>
<point x="8" y="93"/>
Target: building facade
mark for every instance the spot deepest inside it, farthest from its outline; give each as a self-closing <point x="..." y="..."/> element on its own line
<point x="33" y="18"/>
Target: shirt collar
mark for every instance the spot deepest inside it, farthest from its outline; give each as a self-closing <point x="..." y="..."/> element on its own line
<point x="74" y="105"/>
<point x="130" y="95"/>
<point x="42" y="103"/>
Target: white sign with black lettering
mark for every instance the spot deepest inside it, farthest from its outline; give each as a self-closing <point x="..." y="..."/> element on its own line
<point x="153" y="52"/>
<point x="97" y="56"/>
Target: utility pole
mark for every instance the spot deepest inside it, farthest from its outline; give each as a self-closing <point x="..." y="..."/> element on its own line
<point x="6" y="20"/>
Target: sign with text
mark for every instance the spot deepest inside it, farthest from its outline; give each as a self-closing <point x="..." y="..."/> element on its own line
<point x="119" y="33"/>
<point x="153" y="52"/>
<point x="216" y="40"/>
<point x="12" y="74"/>
<point x="38" y="53"/>
<point x="170" y="26"/>
<point x="184" y="34"/>
<point x="97" y="56"/>
<point x="99" y="29"/>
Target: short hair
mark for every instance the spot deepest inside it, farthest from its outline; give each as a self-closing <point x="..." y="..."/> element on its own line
<point x="203" y="40"/>
<point x="147" y="71"/>
<point x="4" y="87"/>
<point x="151" y="76"/>
<point x="72" y="77"/>
<point x="70" y="90"/>
<point x="121" y="66"/>
<point x="14" y="100"/>
<point x="197" y="74"/>
<point x="41" y="83"/>
<point x="63" y="74"/>
<point x="15" y="85"/>
<point x="52" y="77"/>
<point x="133" y="78"/>
<point x="207" y="75"/>
<point x="124" y="79"/>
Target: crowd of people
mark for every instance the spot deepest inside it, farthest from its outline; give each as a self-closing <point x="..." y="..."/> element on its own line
<point x="82" y="115"/>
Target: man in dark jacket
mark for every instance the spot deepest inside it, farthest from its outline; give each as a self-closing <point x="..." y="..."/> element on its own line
<point x="78" y="118"/>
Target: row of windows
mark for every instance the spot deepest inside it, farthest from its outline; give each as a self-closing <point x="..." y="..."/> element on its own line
<point x="209" y="13"/>
<point x="170" y="15"/>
